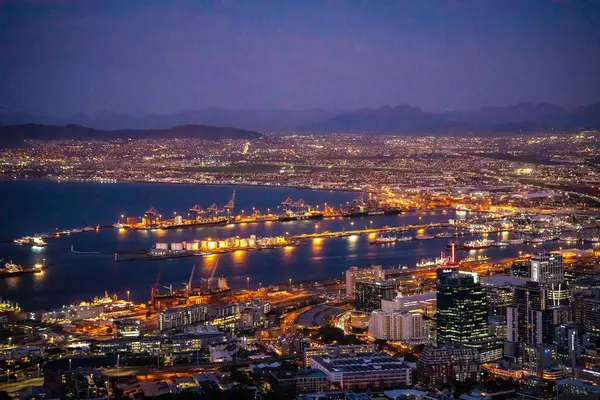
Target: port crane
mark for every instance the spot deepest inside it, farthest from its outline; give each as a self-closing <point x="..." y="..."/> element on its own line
<point x="230" y="205"/>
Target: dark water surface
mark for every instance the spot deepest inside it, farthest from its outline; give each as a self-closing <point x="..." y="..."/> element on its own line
<point x="42" y="206"/>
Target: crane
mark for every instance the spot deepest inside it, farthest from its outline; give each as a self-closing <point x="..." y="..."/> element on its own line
<point x="229" y="206"/>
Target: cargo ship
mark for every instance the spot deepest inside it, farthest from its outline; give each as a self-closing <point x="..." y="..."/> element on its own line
<point x="34" y="241"/>
<point x="298" y="217"/>
<point x="365" y="212"/>
<point x="10" y="269"/>
<point x="477" y="244"/>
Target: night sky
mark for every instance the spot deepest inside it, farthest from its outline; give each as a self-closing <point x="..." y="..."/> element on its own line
<point x="60" y="57"/>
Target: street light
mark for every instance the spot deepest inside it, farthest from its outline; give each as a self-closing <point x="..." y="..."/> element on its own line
<point x="290" y="284"/>
<point x="69" y="364"/>
<point x="247" y="283"/>
<point x="128" y="296"/>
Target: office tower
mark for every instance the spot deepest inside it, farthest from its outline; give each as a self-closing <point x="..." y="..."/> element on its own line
<point x="461" y="310"/>
<point x="369" y="294"/>
<point x="521" y="269"/>
<point x="529" y="320"/>
<point x="353" y="274"/>
<point x="547" y="268"/>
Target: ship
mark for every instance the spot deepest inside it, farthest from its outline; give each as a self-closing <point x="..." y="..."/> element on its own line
<point x="76" y="230"/>
<point x="477" y="244"/>
<point x="299" y="217"/>
<point x="500" y="243"/>
<point x="405" y="239"/>
<point x="89" y="228"/>
<point x="432" y="262"/>
<point x="34" y="241"/>
<point x="10" y="269"/>
<point x="534" y="240"/>
<point x="384" y="240"/>
<point x="595" y="239"/>
<point x="516" y="241"/>
<point x="424" y="237"/>
<point x="444" y="235"/>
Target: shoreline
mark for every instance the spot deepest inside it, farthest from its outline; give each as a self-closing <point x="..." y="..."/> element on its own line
<point x="48" y="179"/>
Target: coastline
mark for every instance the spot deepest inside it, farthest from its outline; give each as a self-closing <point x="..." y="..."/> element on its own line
<point x="48" y="179"/>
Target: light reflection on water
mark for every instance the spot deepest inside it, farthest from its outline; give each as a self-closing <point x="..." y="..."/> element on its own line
<point x="71" y="277"/>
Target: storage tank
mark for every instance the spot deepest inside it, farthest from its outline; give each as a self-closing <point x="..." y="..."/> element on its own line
<point x="162" y="246"/>
<point x="176" y="246"/>
<point x="191" y="246"/>
<point x="223" y="244"/>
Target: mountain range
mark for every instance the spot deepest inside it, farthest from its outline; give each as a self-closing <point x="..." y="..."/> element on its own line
<point x="14" y="135"/>
<point x="403" y="119"/>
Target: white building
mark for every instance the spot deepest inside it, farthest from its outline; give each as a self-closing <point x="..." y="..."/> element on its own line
<point x="398" y="326"/>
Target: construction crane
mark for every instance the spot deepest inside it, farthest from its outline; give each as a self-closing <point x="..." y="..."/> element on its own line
<point x="229" y="206"/>
<point x="154" y="289"/>
<point x="189" y="284"/>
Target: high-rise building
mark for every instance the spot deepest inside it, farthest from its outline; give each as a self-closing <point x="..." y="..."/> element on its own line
<point x="461" y="310"/>
<point x="353" y="274"/>
<point x="369" y="294"/>
<point x="547" y="268"/>
<point x="398" y="326"/>
<point x="443" y="365"/>
<point x="529" y="320"/>
<point x="521" y="269"/>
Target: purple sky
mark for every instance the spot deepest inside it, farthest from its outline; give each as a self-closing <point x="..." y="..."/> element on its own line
<point x="63" y="57"/>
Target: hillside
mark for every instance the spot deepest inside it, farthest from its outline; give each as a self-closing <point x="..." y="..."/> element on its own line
<point x="14" y="135"/>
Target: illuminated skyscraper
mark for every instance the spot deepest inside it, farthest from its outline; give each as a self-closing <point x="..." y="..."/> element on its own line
<point x="462" y="310"/>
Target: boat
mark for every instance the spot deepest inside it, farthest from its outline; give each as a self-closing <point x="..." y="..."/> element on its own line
<point x="89" y="228"/>
<point x="444" y="235"/>
<point x="500" y="243"/>
<point x="384" y="240"/>
<point x="432" y="262"/>
<point x="405" y="239"/>
<point x="10" y="269"/>
<point x="34" y="241"/>
<point x="76" y="230"/>
<point x="477" y="244"/>
<point x="516" y="241"/>
<point x="424" y="237"/>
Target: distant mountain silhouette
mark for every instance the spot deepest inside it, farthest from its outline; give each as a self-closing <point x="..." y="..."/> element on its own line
<point x="408" y="119"/>
<point x="14" y="135"/>
<point x="260" y="120"/>
<point x="402" y="119"/>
